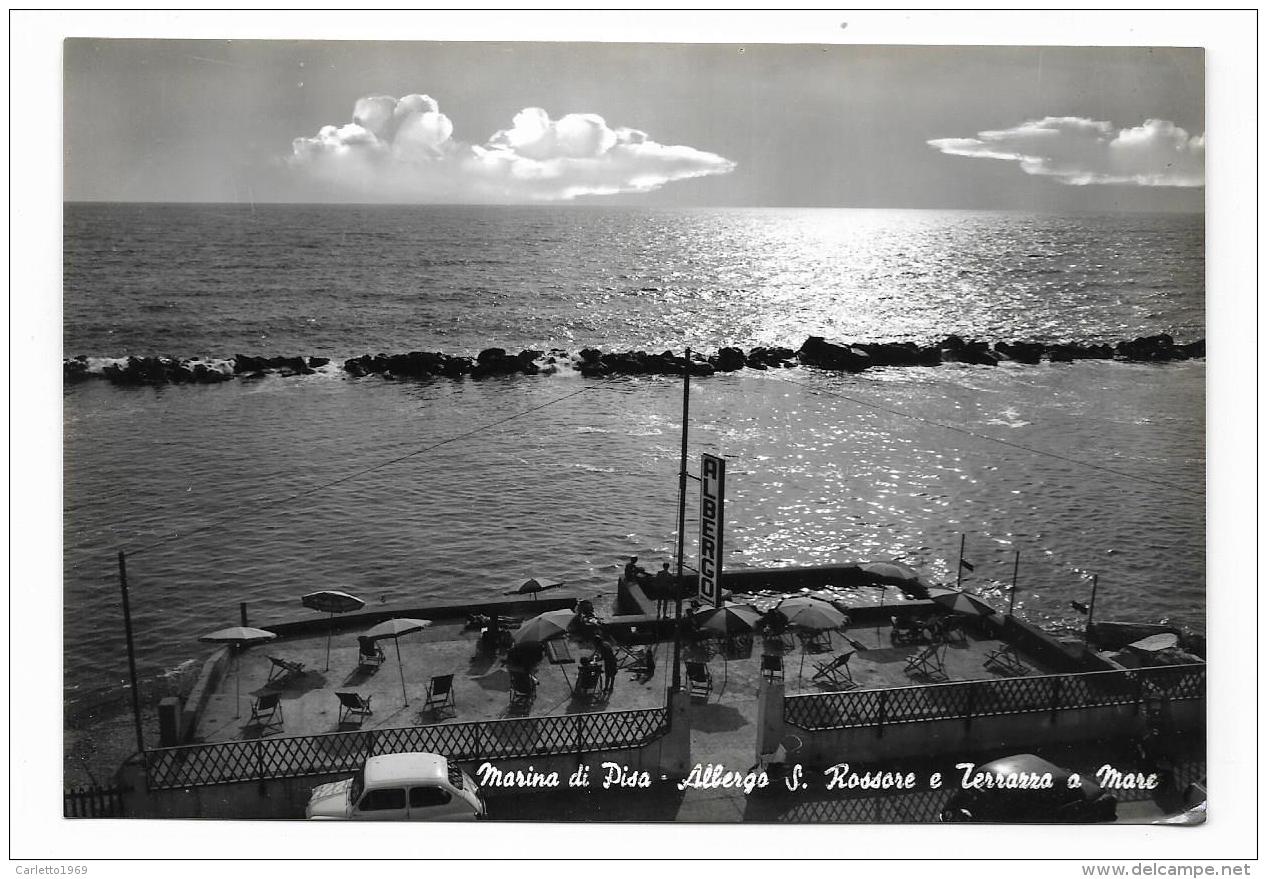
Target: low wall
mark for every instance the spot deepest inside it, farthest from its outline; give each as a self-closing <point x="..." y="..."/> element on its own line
<point x="319" y="625"/>
<point x="212" y="671"/>
<point x="668" y="754"/>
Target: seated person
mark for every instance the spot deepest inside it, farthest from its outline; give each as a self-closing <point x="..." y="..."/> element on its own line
<point x="369" y="650"/>
<point x="644" y="666"/>
<point x="634" y="573"/>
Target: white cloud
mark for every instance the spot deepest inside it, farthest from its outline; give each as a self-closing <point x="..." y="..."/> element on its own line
<point x="403" y="150"/>
<point x="1080" y="151"/>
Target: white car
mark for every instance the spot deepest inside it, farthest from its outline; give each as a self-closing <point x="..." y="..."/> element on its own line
<point x="400" y="787"/>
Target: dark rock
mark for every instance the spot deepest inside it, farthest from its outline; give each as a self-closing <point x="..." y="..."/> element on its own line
<point x="590" y="354"/>
<point x="315" y="362"/>
<point x="1194" y="349"/>
<point x="1021" y="352"/>
<point x="491" y="354"/>
<point x="730" y="359"/>
<point x="75" y="370"/>
<point x="1147" y="348"/>
<point x="819" y="352"/>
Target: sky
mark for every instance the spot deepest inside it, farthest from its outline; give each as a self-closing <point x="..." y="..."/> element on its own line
<point x="1016" y="128"/>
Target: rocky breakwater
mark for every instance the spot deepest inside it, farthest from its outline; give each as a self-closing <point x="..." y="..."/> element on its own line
<point x="816" y="351"/>
<point x="857" y="356"/>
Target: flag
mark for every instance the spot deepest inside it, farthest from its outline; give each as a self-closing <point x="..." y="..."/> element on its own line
<point x="1079" y="607"/>
<point x="967" y="565"/>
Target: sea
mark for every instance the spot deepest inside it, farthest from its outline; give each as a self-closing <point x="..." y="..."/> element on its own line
<point x="409" y="493"/>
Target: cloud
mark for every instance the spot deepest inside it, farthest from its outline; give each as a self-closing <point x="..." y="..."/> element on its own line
<point x="403" y="150"/>
<point x="1079" y="151"/>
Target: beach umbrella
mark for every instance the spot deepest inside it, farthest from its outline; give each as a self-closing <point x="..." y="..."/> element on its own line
<point x="535" y="585"/>
<point x="393" y="629"/>
<point x="238" y="637"/>
<point x="331" y="601"/>
<point x="812" y="614"/>
<point x="729" y="619"/>
<point x="545" y="626"/>
<point x="961" y="602"/>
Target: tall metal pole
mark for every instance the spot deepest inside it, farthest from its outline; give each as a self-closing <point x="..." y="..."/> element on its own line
<point x="681" y="528"/>
<point x="1015" y="568"/>
<point x="959" y="568"/>
<point x="127" y="627"/>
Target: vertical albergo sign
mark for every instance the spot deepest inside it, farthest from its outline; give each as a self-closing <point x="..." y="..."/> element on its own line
<point x="712" y="499"/>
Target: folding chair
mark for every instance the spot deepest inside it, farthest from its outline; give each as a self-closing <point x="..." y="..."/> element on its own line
<point x="283" y="669"/>
<point x="772" y="666"/>
<point x="906" y="631"/>
<point x="266" y="712"/>
<point x="815" y="641"/>
<point x="699" y="679"/>
<point x="1006" y="661"/>
<point x="626" y="657"/>
<point x="927" y="662"/>
<point x="644" y="666"/>
<point x="440" y="695"/>
<point x="353" y="705"/>
<point x="836" y="672"/>
<point x="588" y="681"/>
<point x="523" y="689"/>
<point x="370" y="654"/>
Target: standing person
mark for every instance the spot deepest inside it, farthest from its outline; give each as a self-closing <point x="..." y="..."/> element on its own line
<point x="665" y="590"/>
<point x="608" y="656"/>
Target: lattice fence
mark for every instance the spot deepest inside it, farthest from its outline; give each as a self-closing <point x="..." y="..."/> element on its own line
<point x="296" y="756"/>
<point x="967" y="699"/>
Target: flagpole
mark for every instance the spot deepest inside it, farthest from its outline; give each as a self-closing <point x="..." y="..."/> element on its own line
<point x="959" y="570"/>
<point x="1016" y="566"/>
<point x="681" y="527"/>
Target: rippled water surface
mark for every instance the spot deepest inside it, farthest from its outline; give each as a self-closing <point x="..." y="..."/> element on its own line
<point x="224" y="483"/>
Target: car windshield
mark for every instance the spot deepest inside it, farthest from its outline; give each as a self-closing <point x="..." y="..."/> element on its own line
<point x="358" y="785"/>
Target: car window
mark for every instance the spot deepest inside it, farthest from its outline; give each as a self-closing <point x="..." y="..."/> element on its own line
<point x="421" y="797"/>
<point x="383" y="799"/>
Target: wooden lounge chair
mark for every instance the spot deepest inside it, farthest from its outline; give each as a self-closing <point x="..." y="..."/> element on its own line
<point x="353" y="705"/>
<point x="283" y="669"/>
<point x="523" y="689"/>
<point x="627" y="657"/>
<point x="440" y="696"/>
<point x="772" y="666"/>
<point x="928" y="662"/>
<point x="266" y="712"/>
<point x="699" y="679"/>
<point x="836" y="672"/>
<point x="1005" y="660"/>
<point x="643" y="666"/>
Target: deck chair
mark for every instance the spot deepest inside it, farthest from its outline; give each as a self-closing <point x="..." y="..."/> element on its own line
<point x="627" y="657"/>
<point x="1005" y="660"/>
<point x="927" y="662"/>
<point x="370" y="654"/>
<point x="588" y="682"/>
<point x="836" y="672"/>
<point x="815" y="641"/>
<point x="440" y="695"/>
<point x="283" y="669"/>
<point x="949" y="629"/>
<point x="772" y="666"/>
<point x="908" y="631"/>
<point x="699" y="679"/>
<point x="266" y="712"/>
<point x="523" y="689"/>
<point x="353" y="705"/>
<point x="643" y="666"/>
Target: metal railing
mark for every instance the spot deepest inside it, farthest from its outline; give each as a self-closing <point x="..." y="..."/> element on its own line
<point x="968" y="699"/>
<point x="297" y="756"/>
<point x="92" y="802"/>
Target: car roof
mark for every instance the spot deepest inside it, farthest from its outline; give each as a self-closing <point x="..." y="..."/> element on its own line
<point x="406" y="768"/>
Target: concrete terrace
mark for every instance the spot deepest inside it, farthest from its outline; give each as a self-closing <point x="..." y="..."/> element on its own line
<point x="482" y="682"/>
